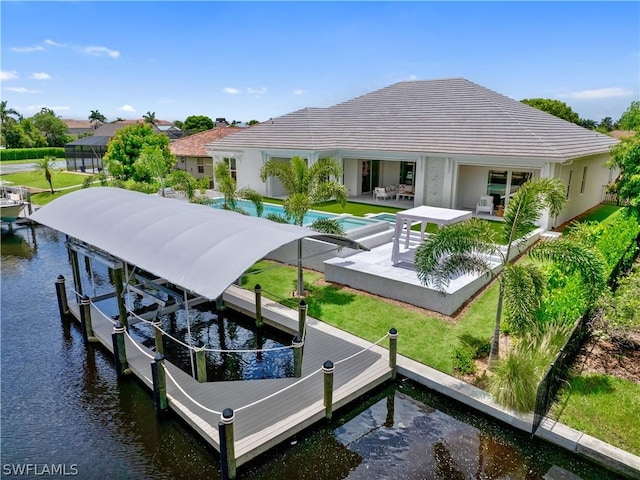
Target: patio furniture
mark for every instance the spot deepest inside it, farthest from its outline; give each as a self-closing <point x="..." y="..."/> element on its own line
<point x="485" y="204"/>
<point x="382" y="193"/>
<point x="405" y="192"/>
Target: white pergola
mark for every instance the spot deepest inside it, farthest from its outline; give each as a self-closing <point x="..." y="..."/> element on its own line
<point x="424" y="215"/>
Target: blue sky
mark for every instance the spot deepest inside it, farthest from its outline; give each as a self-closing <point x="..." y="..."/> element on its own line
<point x="257" y="60"/>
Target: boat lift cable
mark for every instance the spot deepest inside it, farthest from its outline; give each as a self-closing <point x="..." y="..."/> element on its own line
<point x="215" y="350"/>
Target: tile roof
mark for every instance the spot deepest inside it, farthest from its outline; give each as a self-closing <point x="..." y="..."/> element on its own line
<point x="193" y="145"/>
<point x="448" y="116"/>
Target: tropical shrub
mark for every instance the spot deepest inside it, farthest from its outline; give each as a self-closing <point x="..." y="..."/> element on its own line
<point x="328" y="225"/>
<point x="31" y="153"/>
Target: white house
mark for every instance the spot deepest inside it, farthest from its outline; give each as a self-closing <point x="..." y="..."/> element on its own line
<point x="451" y="140"/>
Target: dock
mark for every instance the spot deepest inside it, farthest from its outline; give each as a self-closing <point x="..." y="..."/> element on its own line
<point x="267" y="412"/>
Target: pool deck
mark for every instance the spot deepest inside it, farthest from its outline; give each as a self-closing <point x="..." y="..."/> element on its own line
<point x="259" y="427"/>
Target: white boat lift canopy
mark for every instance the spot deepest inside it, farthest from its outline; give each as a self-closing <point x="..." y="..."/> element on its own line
<point x="198" y="248"/>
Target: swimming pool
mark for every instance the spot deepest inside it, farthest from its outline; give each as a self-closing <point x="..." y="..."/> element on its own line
<point x="350" y="223"/>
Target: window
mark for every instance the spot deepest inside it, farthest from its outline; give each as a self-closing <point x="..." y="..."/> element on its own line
<point x="407" y="173"/>
<point x="200" y="166"/>
<point x="569" y="183"/>
<point x="584" y="180"/>
<point x="502" y="184"/>
<point x="231" y="163"/>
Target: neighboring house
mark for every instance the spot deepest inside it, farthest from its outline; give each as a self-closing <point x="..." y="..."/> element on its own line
<point x="451" y="140"/>
<point x="86" y="154"/>
<point x="191" y="154"/>
<point x="76" y="127"/>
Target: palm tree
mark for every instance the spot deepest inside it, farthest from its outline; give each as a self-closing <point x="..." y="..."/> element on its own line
<point x="97" y="118"/>
<point x="306" y="186"/>
<point x="6" y="112"/>
<point x="45" y="165"/>
<point x="150" y="117"/>
<point x="466" y="247"/>
<point x="227" y="186"/>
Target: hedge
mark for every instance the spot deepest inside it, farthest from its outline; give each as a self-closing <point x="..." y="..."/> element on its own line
<point x="31" y="153"/>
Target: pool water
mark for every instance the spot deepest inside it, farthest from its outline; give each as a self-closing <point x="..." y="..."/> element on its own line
<point x="348" y="222"/>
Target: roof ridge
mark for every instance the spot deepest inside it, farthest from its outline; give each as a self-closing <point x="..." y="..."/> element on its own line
<point x="480" y="89"/>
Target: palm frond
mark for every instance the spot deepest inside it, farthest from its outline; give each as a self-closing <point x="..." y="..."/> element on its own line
<point x="254" y="197"/>
<point x="523" y="289"/>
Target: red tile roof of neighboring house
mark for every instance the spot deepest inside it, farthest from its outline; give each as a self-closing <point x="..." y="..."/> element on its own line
<point x="622" y="133"/>
<point x="70" y="123"/>
<point x="193" y="145"/>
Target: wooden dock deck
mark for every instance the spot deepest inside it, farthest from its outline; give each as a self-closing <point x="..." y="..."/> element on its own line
<point x="271" y="421"/>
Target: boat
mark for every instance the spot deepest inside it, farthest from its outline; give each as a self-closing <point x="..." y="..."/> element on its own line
<point x="12" y="202"/>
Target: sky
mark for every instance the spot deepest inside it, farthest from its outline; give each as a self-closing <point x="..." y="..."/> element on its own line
<point x="260" y="60"/>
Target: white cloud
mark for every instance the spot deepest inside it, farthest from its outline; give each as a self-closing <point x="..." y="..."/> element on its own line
<point x="257" y="91"/>
<point x="20" y="90"/>
<point x="127" y="108"/>
<point x="8" y="75"/>
<point x="52" y="43"/>
<point x="40" y="76"/>
<point x="230" y="90"/>
<point x="299" y="92"/>
<point x="599" y="93"/>
<point x="37" y="48"/>
<point x="100" y="51"/>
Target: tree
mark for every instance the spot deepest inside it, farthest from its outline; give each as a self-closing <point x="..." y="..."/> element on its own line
<point x="31" y="135"/>
<point x="5" y="113"/>
<point x="630" y="119"/>
<point x="187" y="183"/>
<point x="150" y="117"/>
<point x="127" y="144"/>
<point x="554" y="107"/>
<point x="626" y="157"/>
<point x="97" y="118"/>
<point x="52" y="127"/>
<point x="588" y="123"/>
<point x="305" y="185"/>
<point x="153" y="165"/>
<point x="197" y="123"/>
<point x="45" y="165"/>
<point x="251" y="123"/>
<point x="466" y="247"/>
<point x="227" y="185"/>
<point x="606" y="124"/>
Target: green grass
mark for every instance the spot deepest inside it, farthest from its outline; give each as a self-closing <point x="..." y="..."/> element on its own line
<point x="20" y="162"/>
<point x="599" y="214"/>
<point x="37" y="180"/>
<point x="46" y="197"/>
<point x="428" y="339"/>
<point x="604" y="407"/>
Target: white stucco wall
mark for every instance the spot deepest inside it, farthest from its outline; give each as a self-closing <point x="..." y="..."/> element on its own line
<point x="597" y="177"/>
<point x="472" y="182"/>
<point x="434" y="178"/>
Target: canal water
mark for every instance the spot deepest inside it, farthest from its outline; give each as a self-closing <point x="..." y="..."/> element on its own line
<point x="63" y="410"/>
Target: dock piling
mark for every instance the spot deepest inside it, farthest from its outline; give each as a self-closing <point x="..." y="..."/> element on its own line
<point x="61" y="293"/>
<point x="85" y="320"/>
<point x="258" y="291"/>
<point x="119" y="352"/>
<point x="227" y="446"/>
<point x="297" y="344"/>
<point x="328" y="368"/>
<point x="393" y="351"/>
<point x="157" y="327"/>
<point x="159" y="378"/>
<point x="201" y="362"/>
<point x="302" y="317"/>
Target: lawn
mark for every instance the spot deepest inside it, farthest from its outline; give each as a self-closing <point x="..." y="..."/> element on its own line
<point x="598" y="214"/>
<point x="46" y="197"/>
<point x="37" y="179"/>
<point x="20" y="162"/>
<point x="604" y="407"/>
<point x="426" y="338"/>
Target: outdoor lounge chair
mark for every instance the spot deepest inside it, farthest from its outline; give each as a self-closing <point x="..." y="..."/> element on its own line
<point x="485" y="204"/>
<point x="382" y="192"/>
